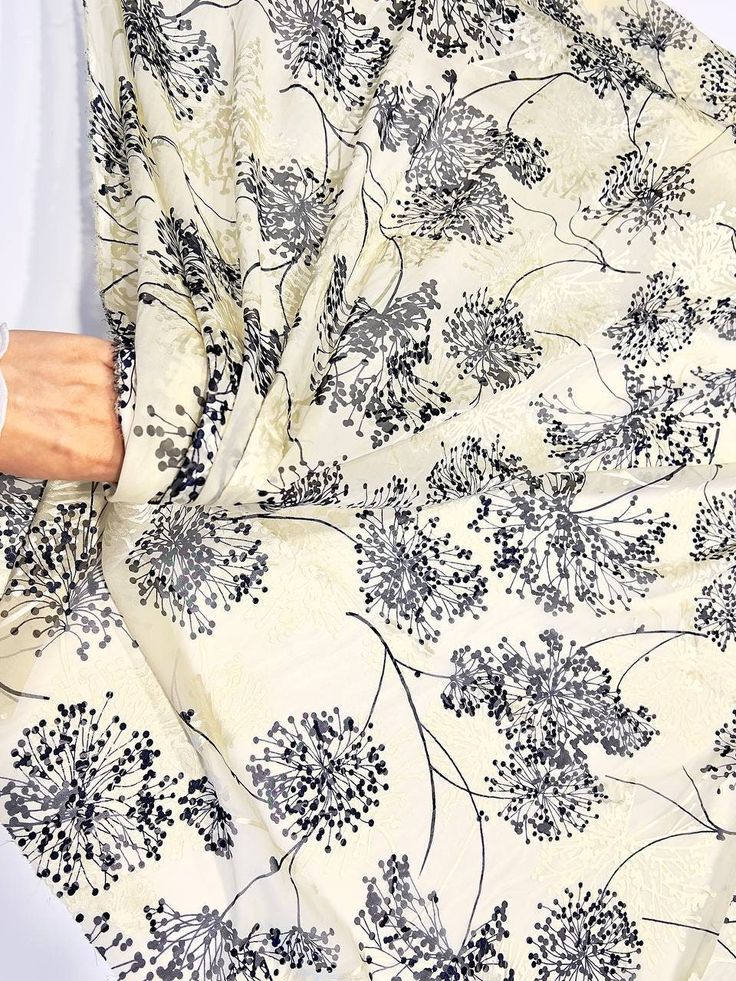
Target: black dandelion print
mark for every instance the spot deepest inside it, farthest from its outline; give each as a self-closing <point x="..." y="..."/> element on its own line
<point x="201" y="808"/>
<point x="659" y="423"/>
<point x="471" y="467"/>
<point x="554" y="693"/>
<point x="298" y="487"/>
<point x="86" y="804"/>
<point x="402" y="928"/>
<point x="215" y="401"/>
<point x="455" y="148"/>
<point x="371" y="367"/>
<point x="192" y="561"/>
<point x="122" y="336"/>
<point x="714" y="532"/>
<point x="179" y="56"/>
<point x="300" y="948"/>
<point x="321" y="776"/>
<point x="714" y="543"/>
<point x="19" y="499"/>
<point x="450" y="27"/>
<point x="724" y="749"/>
<point x="329" y="43"/>
<point x="262" y="348"/>
<point x="718" y="390"/>
<point x="114" y="948"/>
<point x="117" y="134"/>
<point x="548" y="794"/>
<point x="414" y="577"/>
<point x="294" y="206"/>
<point x="474" y="209"/>
<point x="723" y="319"/>
<point x="606" y="67"/>
<point x="489" y="342"/>
<point x="624" y="731"/>
<point x="716" y="609"/>
<point x="586" y="936"/>
<point x="655" y="25"/>
<point x="662" y="318"/>
<point x="451" y="139"/>
<point x="561" y="556"/>
<point x="205" y="944"/>
<point x="57" y="586"/>
<point x="567" y="12"/>
<point x="718" y="82"/>
<point x="640" y="194"/>
<point x="477" y="686"/>
<point x="189" y="258"/>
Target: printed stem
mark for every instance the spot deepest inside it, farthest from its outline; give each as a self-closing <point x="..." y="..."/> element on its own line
<point x="295" y="517"/>
<point x="420" y="727"/>
<point x="217" y="749"/>
<point x="481" y="836"/>
<point x="14" y="693"/>
<point x="202" y="3"/>
<point x="275" y="867"/>
<point x="632" y="493"/>
<point x="513" y="77"/>
<point x="645" y="656"/>
<point x="529" y="98"/>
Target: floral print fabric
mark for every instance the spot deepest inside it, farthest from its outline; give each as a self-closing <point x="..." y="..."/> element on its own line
<point x="404" y="645"/>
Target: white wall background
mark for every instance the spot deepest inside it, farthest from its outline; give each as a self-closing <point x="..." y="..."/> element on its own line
<point x="46" y="223"/>
<point x="45" y="201"/>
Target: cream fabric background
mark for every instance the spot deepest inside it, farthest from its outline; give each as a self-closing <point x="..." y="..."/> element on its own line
<point x="47" y="222"/>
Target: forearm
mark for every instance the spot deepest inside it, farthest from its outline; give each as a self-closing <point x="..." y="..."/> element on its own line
<point x="60" y="421"/>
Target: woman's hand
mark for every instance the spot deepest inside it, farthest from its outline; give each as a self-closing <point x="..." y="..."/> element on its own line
<point x="61" y="422"/>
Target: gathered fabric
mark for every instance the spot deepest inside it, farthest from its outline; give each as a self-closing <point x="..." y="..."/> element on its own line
<point x="404" y="647"/>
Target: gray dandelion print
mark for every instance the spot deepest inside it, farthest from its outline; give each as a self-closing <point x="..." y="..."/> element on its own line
<point x="189" y="562"/>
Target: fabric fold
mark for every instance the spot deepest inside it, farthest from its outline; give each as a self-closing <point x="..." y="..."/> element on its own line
<point x="403" y="645"/>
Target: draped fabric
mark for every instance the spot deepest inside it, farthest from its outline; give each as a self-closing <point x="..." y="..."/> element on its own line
<point x="405" y="645"/>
